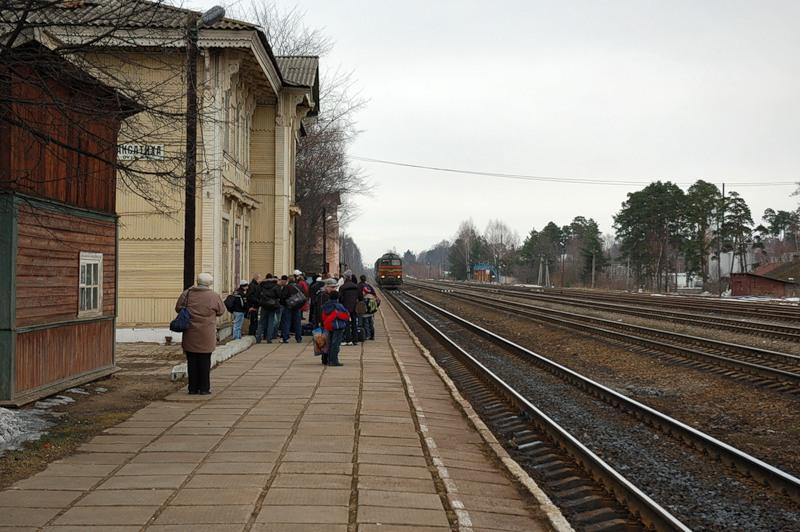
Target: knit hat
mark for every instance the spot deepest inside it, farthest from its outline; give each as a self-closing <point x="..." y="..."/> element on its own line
<point x="205" y="279"/>
<point x="243" y="283"/>
<point x="330" y="282"/>
<point x="298" y="272"/>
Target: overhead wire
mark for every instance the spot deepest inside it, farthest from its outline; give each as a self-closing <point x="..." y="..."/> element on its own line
<point x="570" y="180"/>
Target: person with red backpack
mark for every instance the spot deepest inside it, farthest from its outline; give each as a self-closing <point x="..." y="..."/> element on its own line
<point x="335" y="319"/>
<point x="370" y="307"/>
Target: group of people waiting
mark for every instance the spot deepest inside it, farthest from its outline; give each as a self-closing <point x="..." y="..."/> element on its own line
<point x="343" y="306"/>
<point x="277" y="306"/>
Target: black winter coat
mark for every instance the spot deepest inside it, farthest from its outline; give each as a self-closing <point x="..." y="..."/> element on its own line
<point x="252" y="295"/>
<point x="268" y="290"/>
<point x="239" y="302"/>
<point x="349" y="296"/>
<point x="321" y="299"/>
<point x="288" y="291"/>
<point x="313" y="293"/>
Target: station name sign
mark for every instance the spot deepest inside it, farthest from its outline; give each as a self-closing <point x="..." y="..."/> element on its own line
<point x="149" y="152"/>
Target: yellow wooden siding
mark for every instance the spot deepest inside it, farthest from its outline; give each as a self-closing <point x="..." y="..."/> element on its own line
<point x="262" y="187"/>
<point x="139" y="219"/>
<point x="146" y="312"/>
<point x="148" y="268"/>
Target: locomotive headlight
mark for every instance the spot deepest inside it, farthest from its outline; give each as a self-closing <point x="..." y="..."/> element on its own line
<point x="382" y="276"/>
<point x="398" y="276"/>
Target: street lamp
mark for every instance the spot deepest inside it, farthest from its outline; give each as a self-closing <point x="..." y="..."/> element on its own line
<point x="193" y="24"/>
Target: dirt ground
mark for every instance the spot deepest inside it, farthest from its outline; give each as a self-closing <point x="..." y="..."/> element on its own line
<point x="143" y="378"/>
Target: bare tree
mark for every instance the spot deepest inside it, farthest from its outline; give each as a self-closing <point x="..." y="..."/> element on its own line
<point x="501" y="241"/>
<point x="326" y="180"/>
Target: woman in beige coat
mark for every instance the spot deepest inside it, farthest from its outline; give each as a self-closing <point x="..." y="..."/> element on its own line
<point x="200" y="339"/>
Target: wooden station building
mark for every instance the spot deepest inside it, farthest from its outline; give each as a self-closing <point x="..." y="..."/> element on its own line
<point x="58" y="226"/>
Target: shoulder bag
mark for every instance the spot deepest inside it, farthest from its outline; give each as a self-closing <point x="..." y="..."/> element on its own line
<point x="184" y="319"/>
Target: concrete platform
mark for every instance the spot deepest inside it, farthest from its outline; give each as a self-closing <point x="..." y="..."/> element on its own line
<point x="286" y="444"/>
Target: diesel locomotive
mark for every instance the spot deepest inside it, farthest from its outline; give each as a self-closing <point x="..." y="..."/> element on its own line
<point x="389" y="271"/>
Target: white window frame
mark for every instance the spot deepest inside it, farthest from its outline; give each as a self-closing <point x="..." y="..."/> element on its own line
<point x="88" y="285"/>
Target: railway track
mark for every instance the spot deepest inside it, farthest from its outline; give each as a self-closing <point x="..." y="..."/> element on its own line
<point x="773" y="369"/>
<point x="777" y="331"/>
<point x="748" y="309"/>
<point x="542" y="438"/>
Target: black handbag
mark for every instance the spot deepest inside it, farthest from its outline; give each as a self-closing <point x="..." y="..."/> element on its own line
<point x="296" y="300"/>
<point x="184" y="319"/>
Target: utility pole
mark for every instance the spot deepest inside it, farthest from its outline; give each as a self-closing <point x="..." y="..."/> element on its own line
<point x="593" y="258"/>
<point x="193" y="25"/>
<point x="628" y="275"/>
<point x="324" y="241"/>
<point x="541" y="265"/>
<point x="720" y="216"/>
<point x="190" y="187"/>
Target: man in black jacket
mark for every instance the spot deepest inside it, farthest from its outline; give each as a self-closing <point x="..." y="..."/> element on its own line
<point x="252" y="304"/>
<point x="268" y="296"/>
<point x="328" y="286"/>
<point x="292" y="313"/>
<point x="313" y="293"/>
<point x="349" y="296"/>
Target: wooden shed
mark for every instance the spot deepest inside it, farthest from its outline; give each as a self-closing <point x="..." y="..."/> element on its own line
<point x="58" y="227"/>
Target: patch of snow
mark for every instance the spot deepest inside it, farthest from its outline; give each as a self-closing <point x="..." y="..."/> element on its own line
<point x="19" y="426"/>
<point x="56" y="400"/>
<point x="100" y="389"/>
<point x="79" y="391"/>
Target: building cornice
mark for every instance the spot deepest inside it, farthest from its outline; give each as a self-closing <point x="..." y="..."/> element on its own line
<point x="175" y="38"/>
<point x="240" y="195"/>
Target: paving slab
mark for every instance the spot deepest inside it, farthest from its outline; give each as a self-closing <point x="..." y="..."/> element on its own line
<point x="34" y="499"/>
<point x="107" y="515"/>
<point x="143" y="497"/>
<point x="211" y="496"/>
<point x="213" y="514"/>
<point x="312" y="514"/>
<point x="22" y="517"/>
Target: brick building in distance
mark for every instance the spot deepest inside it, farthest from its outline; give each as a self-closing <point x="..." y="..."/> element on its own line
<point x="776" y="279"/>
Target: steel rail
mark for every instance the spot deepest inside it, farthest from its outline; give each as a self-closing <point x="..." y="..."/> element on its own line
<point x="607" y="328"/>
<point x="762" y="310"/>
<point x="772" y="330"/>
<point x="624" y="491"/>
<point x="736" y="458"/>
<point x="742" y="308"/>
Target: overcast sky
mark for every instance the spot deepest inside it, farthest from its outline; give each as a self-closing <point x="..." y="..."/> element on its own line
<point x="634" y="90"/>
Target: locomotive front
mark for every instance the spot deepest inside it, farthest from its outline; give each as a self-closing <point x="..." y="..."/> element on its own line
<point x="389" y="271"/>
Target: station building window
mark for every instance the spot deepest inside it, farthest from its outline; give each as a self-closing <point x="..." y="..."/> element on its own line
<point x="90" y="284"/>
